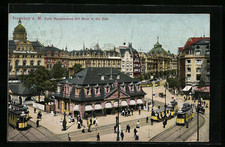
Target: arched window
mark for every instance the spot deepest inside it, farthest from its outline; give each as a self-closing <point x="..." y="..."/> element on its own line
<point x="32" y="62"/>
<point x="198" y="52"/>
<point x="17" y="62"/>
<point x="24" y="62"/>
<point x="198" y="69"/>
<point x="39" y="63"/>
<point x="189" y="69"/>
<point x="207" y="52"/>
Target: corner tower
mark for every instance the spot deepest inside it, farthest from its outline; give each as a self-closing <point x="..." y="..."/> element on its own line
<point x="19" y="32"/>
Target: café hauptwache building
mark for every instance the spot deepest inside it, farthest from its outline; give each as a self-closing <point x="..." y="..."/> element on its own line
<point x="96" y="91"/>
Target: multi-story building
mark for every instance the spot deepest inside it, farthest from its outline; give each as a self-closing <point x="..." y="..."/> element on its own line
<point x="94" y="58"/>
<point x="97" y="91"/>
<point x="194" y="61"/>
<point x="54" y="55"/>
<point x="130" y="60"/>
<point x="24" y="55"/>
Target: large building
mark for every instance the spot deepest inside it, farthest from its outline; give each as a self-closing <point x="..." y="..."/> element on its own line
<point x="130" y="60"/>
<point x="24" y="55"/>
<point x="96" y="91"/>
<point x="95" y="57"/>
<point x="194" y="61"/>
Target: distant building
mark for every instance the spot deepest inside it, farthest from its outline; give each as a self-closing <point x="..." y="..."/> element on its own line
<point x="130" y="60"/>
<point x="194" y="61"/>
<point x="24" y="55"/>
<point x="95" y="91"/>
<point x="95" y="57"/>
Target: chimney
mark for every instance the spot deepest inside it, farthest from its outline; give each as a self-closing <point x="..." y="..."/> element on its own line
<point x="124" y="43"/>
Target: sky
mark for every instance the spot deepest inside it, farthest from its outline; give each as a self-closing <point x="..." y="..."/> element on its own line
<point x="73" y="30"/>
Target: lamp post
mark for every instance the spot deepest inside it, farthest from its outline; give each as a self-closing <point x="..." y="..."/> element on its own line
<point x="198" y="108"/>
<point x="118" y="138"/>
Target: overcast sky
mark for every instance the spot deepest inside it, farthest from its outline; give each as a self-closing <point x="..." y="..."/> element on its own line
<point x="141" y="30"/>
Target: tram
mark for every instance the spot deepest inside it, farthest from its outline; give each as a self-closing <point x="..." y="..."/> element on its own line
<point x="158" y="114"/>
<point x="18" y="119"/>
<point x="173" y="108"/>
<point x="185" y="114"/>
<point x="21" y="108"/>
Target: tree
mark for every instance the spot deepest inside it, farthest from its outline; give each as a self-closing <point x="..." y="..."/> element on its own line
<point x="58" y="72"/>
<point x="38" y="81"/>
<point x="77" y="68"/>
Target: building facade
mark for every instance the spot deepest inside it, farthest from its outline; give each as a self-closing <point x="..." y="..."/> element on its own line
<point x="194" y="61"/>
<point x="96" y="91"/>
<point x="24" y="55"/>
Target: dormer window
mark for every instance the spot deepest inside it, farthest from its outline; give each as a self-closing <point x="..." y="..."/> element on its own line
<point x="131" y="87"/>
<point x="110" y="77"/>
<point x="118" y="77"/>
<point x="58" y="90"/>
<point x="77" y="91"/>
<point x="138" y="87"/>
<point x="102" y="77"/>
<point x="97" y="91"/>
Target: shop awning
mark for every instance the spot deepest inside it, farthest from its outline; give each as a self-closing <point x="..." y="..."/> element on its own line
<point x="108" y="105"/>
<point x="139" y="101"/>
<point x="186" y="88"/>
<point x="98" y="106"/>
<point x="132" y="102"/>
<point x="115" y="104"/>
<point x="124" y="103"/>
<point x="88" y="108"/>
<point x="76" y="108"/>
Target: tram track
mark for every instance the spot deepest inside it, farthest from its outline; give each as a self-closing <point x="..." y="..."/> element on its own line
<point x="173" y="134"/>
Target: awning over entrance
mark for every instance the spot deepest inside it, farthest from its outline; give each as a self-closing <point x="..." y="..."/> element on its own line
<point x="108" y="105"/>
<point x="88" y="108"/>
<point x="98" y="106"/>
<point x="186" y="88"/>
<point x="115" y="104"/>
<point x="139" y="101"/>
<point x="132" y="102"/>
<point x="124" y="103"/>
<point x="76" y="108"/>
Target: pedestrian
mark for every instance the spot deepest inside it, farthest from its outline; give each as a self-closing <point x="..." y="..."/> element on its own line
<point x="164" y="123"/>
<point x="137" y="136"/>
<point x="90" y="121"/>
<point x="37" y="123"/>
<point x="132" y="111"/>
<point x="147" y="119"/>
<point x="34" y="110"/>
<point x="151" y="121"/>
<point x="87" y="122"/>
<point x="128" y="128"/>
<point x="69" y="117"/>
<point x="96" y="122"/>
<point x="98" y="137"/>
<point x="81" y="121"/>
<point x="123" y="113"/>
<point x="137" y="126"/>
<point x="114" y="128"/>
<point x="135" y="131"/>
<point x="139" y="111"/>
<point x="89" y="128"/>
<point x="69" y="137"/>
<point x="116" y="119"/>
<point x="128" y="112"/>
<point x="122" y="135"/>
<point x="83" y="129"/>
<point x="78" y="125"/>
<point x="77" y="118"/>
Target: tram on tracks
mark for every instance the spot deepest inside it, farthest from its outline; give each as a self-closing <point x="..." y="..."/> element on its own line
<point x="185" y="114"/>
<point x="18" y="116"/>
<point x="171" y="110"/>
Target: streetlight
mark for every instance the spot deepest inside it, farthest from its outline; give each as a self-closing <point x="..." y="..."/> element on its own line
<point x="118" y="139"/>
<point x="198" y="108"/>
<point x="165" y="120"/>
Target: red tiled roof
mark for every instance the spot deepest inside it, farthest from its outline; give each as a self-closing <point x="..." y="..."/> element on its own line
<point x="180" y="48"/>
<point x="194" y="40"/>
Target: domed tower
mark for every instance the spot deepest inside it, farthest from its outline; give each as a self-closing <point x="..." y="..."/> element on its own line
<point x="157" y="48"/>
<point x="19" y="32"/>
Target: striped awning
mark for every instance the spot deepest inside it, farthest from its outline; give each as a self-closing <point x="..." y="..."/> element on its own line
<point x="98" y="106"/>
<point x="108" y="105"/>
<point x="88" y="108"/>
<point x="139" y="101"/>
<point x="132" y="102"/>
<point x="76" y="108"/>
<point x="124" y="103"/>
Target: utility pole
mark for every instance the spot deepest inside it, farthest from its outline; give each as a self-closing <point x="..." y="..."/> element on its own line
<point x="198" y="107"/>
<point x="118" y="139"/>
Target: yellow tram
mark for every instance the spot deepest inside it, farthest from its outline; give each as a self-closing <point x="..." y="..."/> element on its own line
<point x="173" y="108"/>
<point x="21" y="108"/>
<point x="18" y="119"/>
<point x="158" y="114"/>
<point x="185" y="115"/>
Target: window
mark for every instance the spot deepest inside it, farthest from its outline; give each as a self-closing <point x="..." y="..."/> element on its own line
<point x="207" y="52"/>
<point x="131" y="87"/>
<point x="24" y="62"/>
<point x="17" y="71"/>
<point x="198" y="77"/>
<point x="197" y="52"/>
<point x="188" y="62"/>
<point x="58" y="104"/>
<point x="97" y="90"/>
<point x="197" y="47"/>
<point x="88" y="91"/>
<point x="188" y="77"/>
<point x="110" y="77"/>
<point x="102" y="77"/>
<point x="188" y="69"/>
<point x="198" y="61"/>
<point x="107" y="89"/>
<point x="32" y="63"/>
<point x="39" y="63"/>
<point x="58" y="90"/>
<point x="208" y="61"/>
<point x="198" y="69"/>
<point x="118" y="76"/>
<point x="24" y="71"/>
